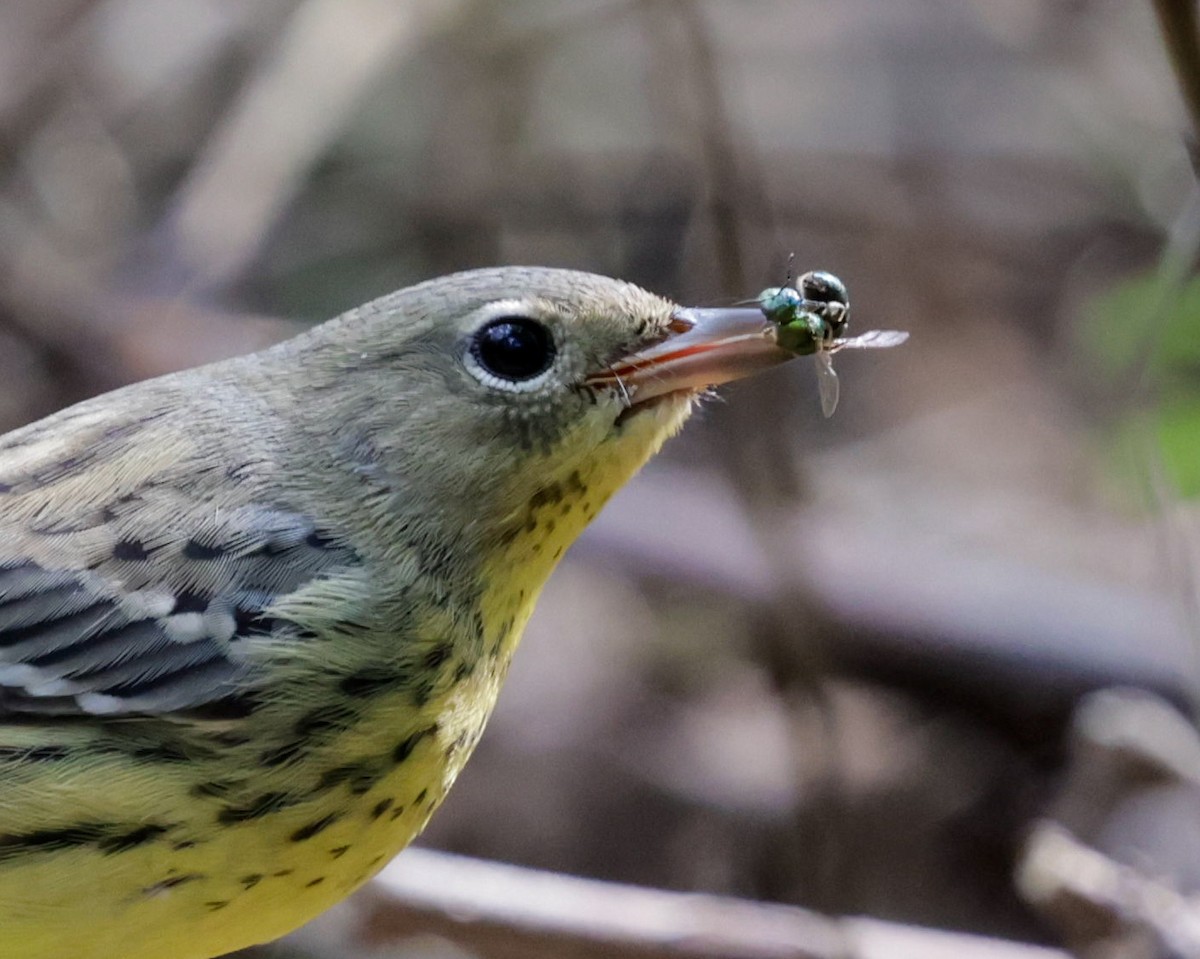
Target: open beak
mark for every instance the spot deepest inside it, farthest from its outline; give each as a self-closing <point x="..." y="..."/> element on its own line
<point x="705" y="347"/>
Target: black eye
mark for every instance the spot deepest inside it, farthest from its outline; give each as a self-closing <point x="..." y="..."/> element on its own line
<point x="513" y="348"/>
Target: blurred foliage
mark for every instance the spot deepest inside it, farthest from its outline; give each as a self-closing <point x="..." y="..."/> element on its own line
<point x="1145" y="332"/>
<point x="1179" y="437"/>
<point x="1145" y="328"/>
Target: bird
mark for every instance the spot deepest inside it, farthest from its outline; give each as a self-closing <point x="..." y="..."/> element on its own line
<point x="254" y="615"/>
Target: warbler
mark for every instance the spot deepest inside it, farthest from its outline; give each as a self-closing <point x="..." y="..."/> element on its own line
<point x="254" y="616"/>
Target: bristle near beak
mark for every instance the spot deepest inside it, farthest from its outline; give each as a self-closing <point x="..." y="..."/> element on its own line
<point x="706" y="347"/>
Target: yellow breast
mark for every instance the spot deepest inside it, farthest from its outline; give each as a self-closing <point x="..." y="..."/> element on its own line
<point x="207" y="872"/>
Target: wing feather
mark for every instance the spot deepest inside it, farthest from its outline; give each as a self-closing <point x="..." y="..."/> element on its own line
<point x="82" y="642"/>
<point x="141" y="550"/>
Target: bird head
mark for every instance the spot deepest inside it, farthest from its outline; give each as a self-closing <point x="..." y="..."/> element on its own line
<point x="500" y="408"/>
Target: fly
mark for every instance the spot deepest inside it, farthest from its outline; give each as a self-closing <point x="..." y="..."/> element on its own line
<point x="811" y="318"/>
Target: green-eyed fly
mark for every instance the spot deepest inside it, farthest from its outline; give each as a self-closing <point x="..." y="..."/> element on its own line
<point x="811" y="318"/>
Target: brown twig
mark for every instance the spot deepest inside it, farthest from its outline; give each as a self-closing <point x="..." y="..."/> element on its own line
<point x="282" y="122"/>
<point x="1177" y="22"/>
<point x="503" y="912"/>
<point x="717" y="148"/>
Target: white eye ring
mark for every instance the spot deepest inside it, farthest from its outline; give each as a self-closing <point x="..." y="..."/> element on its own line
<point x="511" y="348"/>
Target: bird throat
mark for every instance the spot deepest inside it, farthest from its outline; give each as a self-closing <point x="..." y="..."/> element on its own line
<point x="558" y="509"/>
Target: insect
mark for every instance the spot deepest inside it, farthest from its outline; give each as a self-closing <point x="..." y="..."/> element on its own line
<point x="811" y="318"/>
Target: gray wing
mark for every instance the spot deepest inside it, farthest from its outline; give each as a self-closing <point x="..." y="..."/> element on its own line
<point x="154" y="627"/>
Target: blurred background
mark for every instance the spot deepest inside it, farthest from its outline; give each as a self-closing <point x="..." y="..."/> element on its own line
<point x="903" y="663"/>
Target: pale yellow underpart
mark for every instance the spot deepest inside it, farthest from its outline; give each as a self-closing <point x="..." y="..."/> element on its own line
<point x="150" y="887"/>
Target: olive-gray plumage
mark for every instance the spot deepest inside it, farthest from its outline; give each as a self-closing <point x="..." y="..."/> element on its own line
<point x="145" y="535"/>
<point x="254" y="616"/>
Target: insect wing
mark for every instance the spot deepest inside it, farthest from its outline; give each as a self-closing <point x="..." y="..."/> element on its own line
<point x="827" y="383"/>
<point x="872" y="340"/>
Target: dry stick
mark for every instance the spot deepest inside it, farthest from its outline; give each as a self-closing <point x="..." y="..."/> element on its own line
<point x="717" y="148"/>
<point x="505" y="912"/>
<point x="1181" y="37"/>
<point x="736" y="183"/>
<point x="1177" y="22"/>
<point x="328" y="54"/>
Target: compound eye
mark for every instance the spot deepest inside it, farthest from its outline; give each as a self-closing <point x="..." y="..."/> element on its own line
<point x="823" y="287"/>
<point x="513" y="348"/>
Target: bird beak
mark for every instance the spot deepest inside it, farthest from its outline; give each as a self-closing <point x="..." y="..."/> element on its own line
<point x="704" y="347"/>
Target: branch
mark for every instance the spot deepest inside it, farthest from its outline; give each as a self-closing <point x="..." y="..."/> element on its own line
<point x="504" y="912"/>
<point x="1177" y="22"/>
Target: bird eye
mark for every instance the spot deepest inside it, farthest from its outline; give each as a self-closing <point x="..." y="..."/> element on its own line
<point x="513" y="348"/>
